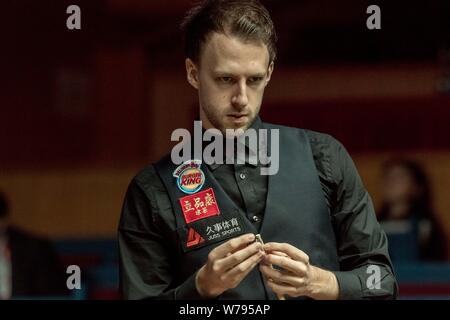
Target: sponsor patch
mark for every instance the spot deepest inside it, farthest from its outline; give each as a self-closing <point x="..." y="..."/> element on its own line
<point x="211" y="230"/>
<point x="200" y="205"/>
<point x="190" y="178"/>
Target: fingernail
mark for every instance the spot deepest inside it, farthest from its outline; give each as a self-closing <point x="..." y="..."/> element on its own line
<point x="251" y="237"/>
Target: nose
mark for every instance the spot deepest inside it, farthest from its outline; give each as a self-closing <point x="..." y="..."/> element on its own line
<point x="240" y="98"/>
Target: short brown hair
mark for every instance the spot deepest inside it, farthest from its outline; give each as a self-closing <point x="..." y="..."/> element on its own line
<point x="247" y="19"/>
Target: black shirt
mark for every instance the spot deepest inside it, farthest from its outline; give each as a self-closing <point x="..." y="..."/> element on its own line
<point x="244" y="183"/>
<point x="147" y="213"/>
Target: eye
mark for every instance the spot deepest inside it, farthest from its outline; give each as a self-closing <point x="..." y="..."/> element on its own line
<point x="255" y="80"/>
<point x="225" y="80"/>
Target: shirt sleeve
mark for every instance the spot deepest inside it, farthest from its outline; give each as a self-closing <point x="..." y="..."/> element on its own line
<point x="146" y="265"/>
<point x="366" y="270"/>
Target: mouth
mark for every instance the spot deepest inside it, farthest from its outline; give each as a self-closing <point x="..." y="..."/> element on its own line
<point x="238" y="118"/>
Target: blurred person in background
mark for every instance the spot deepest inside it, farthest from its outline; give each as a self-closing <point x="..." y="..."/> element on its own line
<point x="407" y="198"/>
<point x="29" y="265"/>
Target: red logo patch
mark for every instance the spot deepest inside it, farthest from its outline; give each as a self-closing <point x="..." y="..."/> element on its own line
<point x="193" y="238"/>
<point x="199" y="205"/>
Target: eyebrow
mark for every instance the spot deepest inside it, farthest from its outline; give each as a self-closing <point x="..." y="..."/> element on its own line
<point x="229" y="74"/>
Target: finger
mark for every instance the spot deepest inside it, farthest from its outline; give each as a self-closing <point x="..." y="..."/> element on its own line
<point x="238" y="257"/>
<point x="231" y="246"/>
<point x="242" y="269"/>
<point x="281" y="277"/>
<point x="288" y="249"/>
<point x="279" y="253"/>
<point x="297" y="267"/>
<point x="282" y="290"/>
<point x="237" y="277"/>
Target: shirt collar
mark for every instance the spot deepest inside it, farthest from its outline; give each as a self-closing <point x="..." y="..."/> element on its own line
<point x="250" y="156"/>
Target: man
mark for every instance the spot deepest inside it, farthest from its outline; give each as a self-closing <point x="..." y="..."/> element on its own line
<point x="29" y="266"/>
<point x="322" y="237"/>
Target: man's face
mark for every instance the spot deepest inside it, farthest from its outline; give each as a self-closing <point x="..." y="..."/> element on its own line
<point x="399" y="186"/>
<point x="230" y="79"/>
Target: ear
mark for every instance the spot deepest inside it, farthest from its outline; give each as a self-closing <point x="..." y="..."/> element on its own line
<point x="192" y="73"/>
<point x="269" y="72"/>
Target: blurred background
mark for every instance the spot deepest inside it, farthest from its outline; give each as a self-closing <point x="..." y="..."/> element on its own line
<point x="81" y="111"/>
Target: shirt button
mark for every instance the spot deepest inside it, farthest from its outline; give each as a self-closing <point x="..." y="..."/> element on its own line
<point x="255" y="218"/>
<point x="242" y="176"/>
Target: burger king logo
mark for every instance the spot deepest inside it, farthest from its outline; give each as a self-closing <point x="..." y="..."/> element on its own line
<point x="190" y="178"/>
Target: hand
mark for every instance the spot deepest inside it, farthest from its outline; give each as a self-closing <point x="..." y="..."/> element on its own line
<point x="297" y="277"/>
<point x="228" y="264"/>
